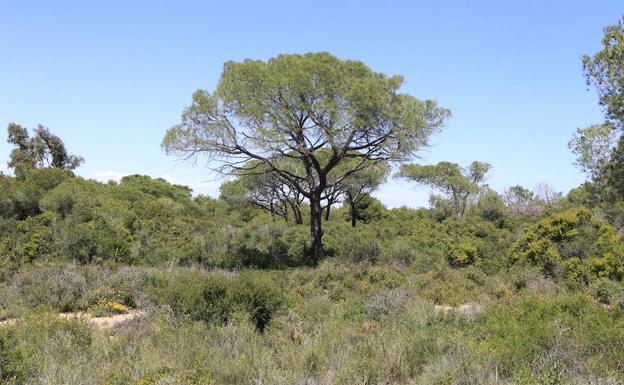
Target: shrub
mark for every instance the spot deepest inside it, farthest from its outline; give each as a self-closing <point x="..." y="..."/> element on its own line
<point x="529" y="277"/>
<point x="401" y="252"/>
<point x="552" y="375"/>
<point x="266" y="245"/>
<point x="214" y="298"/>
<point x="262" y="245"/>
<point x="386" y="302"/>
<point x="354" y="245"/>
<point x="108" y="308"/>
<point x="297" y="238"/>
<point x="197" y="295"/>
<point x="13" y="368"/>
<point x="574" y="244"/>
<point x="103" y="294"/>
<point x="128" y="283"/>
<point x="257" y="295"/>
<point x="40" y="333"/>
<point x="489" y="240"/>
<point x="490" y="206"/>
<point x="608" y="291"/>
<point x="462" y="254"/>
<point x="60" y="287"/>
<point x="515" y="336"/>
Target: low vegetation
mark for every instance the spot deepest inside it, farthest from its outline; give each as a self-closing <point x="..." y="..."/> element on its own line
<point x="230" y="298"/>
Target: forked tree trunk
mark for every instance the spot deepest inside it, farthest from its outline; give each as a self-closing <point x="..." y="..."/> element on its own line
<point x="316" y="216"/>
<point x="296" y="212"/>
<point x="298" y="216"/>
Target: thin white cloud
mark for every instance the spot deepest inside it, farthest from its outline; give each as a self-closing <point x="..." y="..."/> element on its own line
<point x="4" y="169"/>
<point x="394" y="194"/>
<point x="210" y="188"/>
<point x="107" y="175"/>
<point x="173" y="180"/>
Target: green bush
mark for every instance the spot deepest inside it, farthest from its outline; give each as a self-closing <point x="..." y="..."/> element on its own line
<point x="463" y="254"/>
<point x="400" y="251"/>
<point x="197" y="295"/>
<point x="572" y="244"/>
<point x="608" y="292"/>
<point x="551" y="375"/>
<point x="213" y="298"/>
<point x="13" y="368"/>
<point x="257" y="295"/>
<point x="354" y="245"/>
<point x="263" y="244"/>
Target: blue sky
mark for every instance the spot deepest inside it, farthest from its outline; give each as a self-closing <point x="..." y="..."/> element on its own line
<point x="111" y="77"/>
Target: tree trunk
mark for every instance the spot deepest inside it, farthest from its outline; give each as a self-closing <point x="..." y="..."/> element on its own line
<point x="285" y="212"/>
<point x="353" y="210"/>
<point x="298" y="215"/>
<point x="327" y="212"/>
<point x="316" y="216"/>
<point x="296" y="212"/>
<point x="464" y="204"/>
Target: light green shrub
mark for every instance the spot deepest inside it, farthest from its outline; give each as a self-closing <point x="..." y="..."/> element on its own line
<point x="572" y="244"/>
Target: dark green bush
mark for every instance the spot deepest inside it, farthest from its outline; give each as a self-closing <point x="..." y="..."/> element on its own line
<point x="354" y="244"/>
<point x="214" y="298"/>
<point x="257" y="295"/>
<point x="197" y="295"/>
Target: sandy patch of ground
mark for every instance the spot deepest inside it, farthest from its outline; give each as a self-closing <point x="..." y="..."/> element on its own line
<point x="466" y="309"/>
<point x="96" y="322"/>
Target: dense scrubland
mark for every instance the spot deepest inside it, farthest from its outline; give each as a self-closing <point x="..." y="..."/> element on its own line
<point x="231" y="300"/>
<point x="521" y="287"/>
